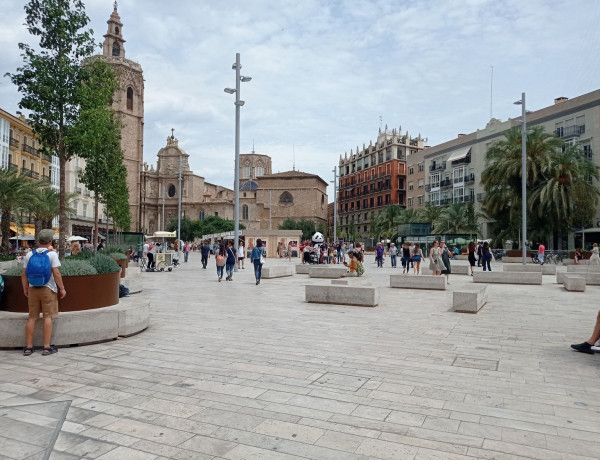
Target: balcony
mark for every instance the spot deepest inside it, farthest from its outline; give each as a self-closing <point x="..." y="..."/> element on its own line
<point x="13" y="167"/>
<point x="446" y="183"/>
<point x="14" y="142"/>
<point x="29" y="173"/>
<point x="570" y="131"/>
<point x="29" y="149"/>
<point x="480" y="197"/>
<point x="438" y="166"/>
<point x="445" y="201"/>
<point x="47" y="158"/>
<point x="46" y="177"/>
<point x="465" y="179"/>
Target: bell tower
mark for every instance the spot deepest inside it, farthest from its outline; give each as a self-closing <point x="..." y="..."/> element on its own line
<point x="128" y="103"/>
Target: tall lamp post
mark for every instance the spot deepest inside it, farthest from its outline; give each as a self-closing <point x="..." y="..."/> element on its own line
<point x="334" y="204"/>
<point x="521" y="102"/>
<point x="238" y="103"/>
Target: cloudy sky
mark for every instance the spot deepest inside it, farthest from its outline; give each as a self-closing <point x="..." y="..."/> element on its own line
<point x="326" y="74"/>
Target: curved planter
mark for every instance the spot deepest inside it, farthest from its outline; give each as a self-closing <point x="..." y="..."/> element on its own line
<point x="83" y="293"/>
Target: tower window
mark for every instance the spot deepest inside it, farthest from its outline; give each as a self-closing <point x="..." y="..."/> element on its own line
<point x="286" y="198"/>
<point x="171" y="191"/>
<point x="245" y="212"/>
<point x="116" y="49"/>
<point x="129" y="98"/>
<point x="117" y="30"/>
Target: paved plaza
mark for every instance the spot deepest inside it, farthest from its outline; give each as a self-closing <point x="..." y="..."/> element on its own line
<point x="236" y="371"/>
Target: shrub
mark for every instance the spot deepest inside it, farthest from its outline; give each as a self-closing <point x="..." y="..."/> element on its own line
<point x="104" y="264"/>
<point x="14" y="271"/>
<point x="71" y="267"/>
<point x="113" y="248"/>
<point x="5" y="258"/>
<point x="82" y="255"/>
<point x="118" y="256"/>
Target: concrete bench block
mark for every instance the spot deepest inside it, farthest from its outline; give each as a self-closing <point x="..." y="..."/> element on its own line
<point x="591" y="278"/>
<point x="460" y="269"/>
<point x="462" y="257"/>
<point x="302" y="269"/>
<point x="342" y="295"/>
<point x="507" y="277"/>
<point x="572" y="262"/>
<point x="469" y="301"/>
<point x="133" y="281"/>
<point x="530" y="268"/>
<point x="277" y="271"/>
<point x="583" y="268"/>
<point x="418" y="282"/>
<point x="134" y="317"/>
<point x="574" y="283"/>
<point x="514" y="260"/>
<point x="340" y="282"/>
<point x="326" y="271"/>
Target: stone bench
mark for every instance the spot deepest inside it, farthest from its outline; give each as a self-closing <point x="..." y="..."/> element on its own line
<point x="130" y="316"/>
<point x="437" y="282"/>
<point x="327" y="271"/>
<point x="469" y="301"/>
<point x="514" y="260"/>
<point x="583" y="268"/>
<point x="572" y="262"/>
<point x="302" y="269"/>
<point x="342" y="295"/>
<point x="462" y="257"/>
<point x="591" y="278"/>
<point x="340" y="282"/>
<point x="530" y="268"/>
<point x="460" y="269"/>
<point x="507" y="277"/>
<point x="277" y="271"/>
<point x="133" y="281"/>
<point x="574" y="283"/>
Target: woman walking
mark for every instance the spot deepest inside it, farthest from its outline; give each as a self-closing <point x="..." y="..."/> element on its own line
<point x="220" y="263"/>
<point x="416" y="258"/>
<point x="436" y="264"/>
<point x="393" y="254"/>
<point x="486" y="255"/>
<point x="446" y="259"/>
<point x="258" y="252"/>
<point x="472" y="260"/>
<point x="230" y="262"/>
<point x="594" y="258"/>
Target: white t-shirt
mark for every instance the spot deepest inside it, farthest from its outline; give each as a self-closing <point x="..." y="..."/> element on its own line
<point x="146" y="247"/>
<point x="54" y="263"/>
<point x="240" y="252"/>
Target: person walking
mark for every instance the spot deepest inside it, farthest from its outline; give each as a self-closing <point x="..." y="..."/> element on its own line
<point x="186" y="251"/>
<point x="393" y="254"/>
<point x="231" y="260"/>
<point x="436" y="264"/>
<point x="405" y="257"/>
<point x="471" y="257"/>
<point x="446" y="255"/>
<point x="241" y="255"/>
<point x="257" y="256"/>
<point x="417" y="257"/>
<point x="595" y="258"/>
<point x="42" y="285"/>
<point x="541" y="253"/>
<point x="379" y="255"/>
<point x="220" y="262"/>
<point x="479" y="253"/>
<point x="151" y="262"/>
<point x="486" y="255"/>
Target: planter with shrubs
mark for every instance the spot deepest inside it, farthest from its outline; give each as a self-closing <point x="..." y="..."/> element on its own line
<point x="91" y="281"/>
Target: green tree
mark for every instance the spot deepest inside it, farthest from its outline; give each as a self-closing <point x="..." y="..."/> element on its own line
<point x="386" y="222"/>
<point x="307" y="227"/>
<point x="50" y="78"/>
<point x="44" y="205"/>
<point x="458" y="218"/>
<point x="430" y="214"/>
<point x="15" y="192"/>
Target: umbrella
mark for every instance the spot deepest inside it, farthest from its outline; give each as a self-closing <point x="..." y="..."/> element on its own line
<point x="75" y="238"/>
<point x="23" y="238"/>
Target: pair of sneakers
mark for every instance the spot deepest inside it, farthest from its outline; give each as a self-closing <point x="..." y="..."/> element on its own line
<point x="583" y="348"/>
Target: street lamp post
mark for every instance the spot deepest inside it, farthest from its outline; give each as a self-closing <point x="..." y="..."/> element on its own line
<point x="238" y="103"/>
<point x="523" y="175"/>
<point x="334" y="204"/>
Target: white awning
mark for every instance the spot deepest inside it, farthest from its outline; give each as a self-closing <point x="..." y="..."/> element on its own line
<point x="459" y="154"/>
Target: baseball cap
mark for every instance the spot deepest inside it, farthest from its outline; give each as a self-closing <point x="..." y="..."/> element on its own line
<point x="45" y="236"/>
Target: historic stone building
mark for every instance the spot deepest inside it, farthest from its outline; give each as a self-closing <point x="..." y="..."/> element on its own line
<point x="160" y="190"/>
<point x="129" y="105"/>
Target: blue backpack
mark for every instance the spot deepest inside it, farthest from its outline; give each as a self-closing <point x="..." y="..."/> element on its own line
<point x="39" y="268"/>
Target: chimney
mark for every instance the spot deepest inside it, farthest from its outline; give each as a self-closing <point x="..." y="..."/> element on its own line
<point x="560" y="99"/>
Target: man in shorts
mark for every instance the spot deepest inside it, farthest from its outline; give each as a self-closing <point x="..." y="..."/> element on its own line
<point x="42" y="299"/>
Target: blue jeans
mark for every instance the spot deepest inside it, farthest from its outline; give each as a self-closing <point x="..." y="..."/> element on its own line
<point x="379" y="261"/>
<point x="486" y="262"/>
<point x="257" y="268"/>
<point x="229" y="270"/>
<point x="393" y="260"/>
<point x="185" y="256"/>
<point x="219" y="272"/>
<point x="541" y="258"/>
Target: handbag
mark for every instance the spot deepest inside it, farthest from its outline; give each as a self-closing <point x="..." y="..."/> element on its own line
<point x="262" y="259"/>
<point x="220" y="261"/>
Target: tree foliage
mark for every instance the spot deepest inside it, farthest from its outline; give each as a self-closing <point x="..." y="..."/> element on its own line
<point x="191" y="229"/>
<point x="15" y="192"/>
<point x="50" y="78"/>
<point x="307" y="227"/>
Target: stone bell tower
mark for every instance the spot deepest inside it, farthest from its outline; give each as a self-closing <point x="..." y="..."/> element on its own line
<point x="129" y="104"/>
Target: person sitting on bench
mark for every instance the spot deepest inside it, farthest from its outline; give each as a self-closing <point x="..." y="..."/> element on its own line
<point x="586" y="347"/>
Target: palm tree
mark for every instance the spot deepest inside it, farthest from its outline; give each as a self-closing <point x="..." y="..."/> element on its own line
<point x="386" y="222"/>
<point x="15" y="192"/>
<point x="44" y="206"/>
<point x="430" y="214"/>
<point x="458" y="218"/>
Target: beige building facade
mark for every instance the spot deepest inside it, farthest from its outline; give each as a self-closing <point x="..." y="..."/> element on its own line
<point x="454" y="168"/>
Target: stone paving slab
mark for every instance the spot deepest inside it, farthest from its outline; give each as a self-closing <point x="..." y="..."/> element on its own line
<point x="233" y="370"/>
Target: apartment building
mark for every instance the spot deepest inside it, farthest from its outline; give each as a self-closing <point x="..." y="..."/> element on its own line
<point x="372" y="178"/>
<point x="454" y="167"/>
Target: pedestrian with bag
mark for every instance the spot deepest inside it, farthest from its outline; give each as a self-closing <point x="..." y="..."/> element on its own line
<point x="436" y="264"/>
<point x="486" y="256"/>
<point x="231" y="260"/>
<point x="257" y="258"/>
<point x="471" y="256"/>
<point x="220" y="261"/>
<point x="446" y="259"/>
<point x="42" y="285"/>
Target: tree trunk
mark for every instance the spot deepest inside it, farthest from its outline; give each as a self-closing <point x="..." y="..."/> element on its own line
<point x="62" y="226"/>
<point x="95" y="220"/>
<point x="5" y="226"/>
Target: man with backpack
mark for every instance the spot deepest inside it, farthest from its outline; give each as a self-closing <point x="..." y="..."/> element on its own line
<point x="42" y="285"/>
